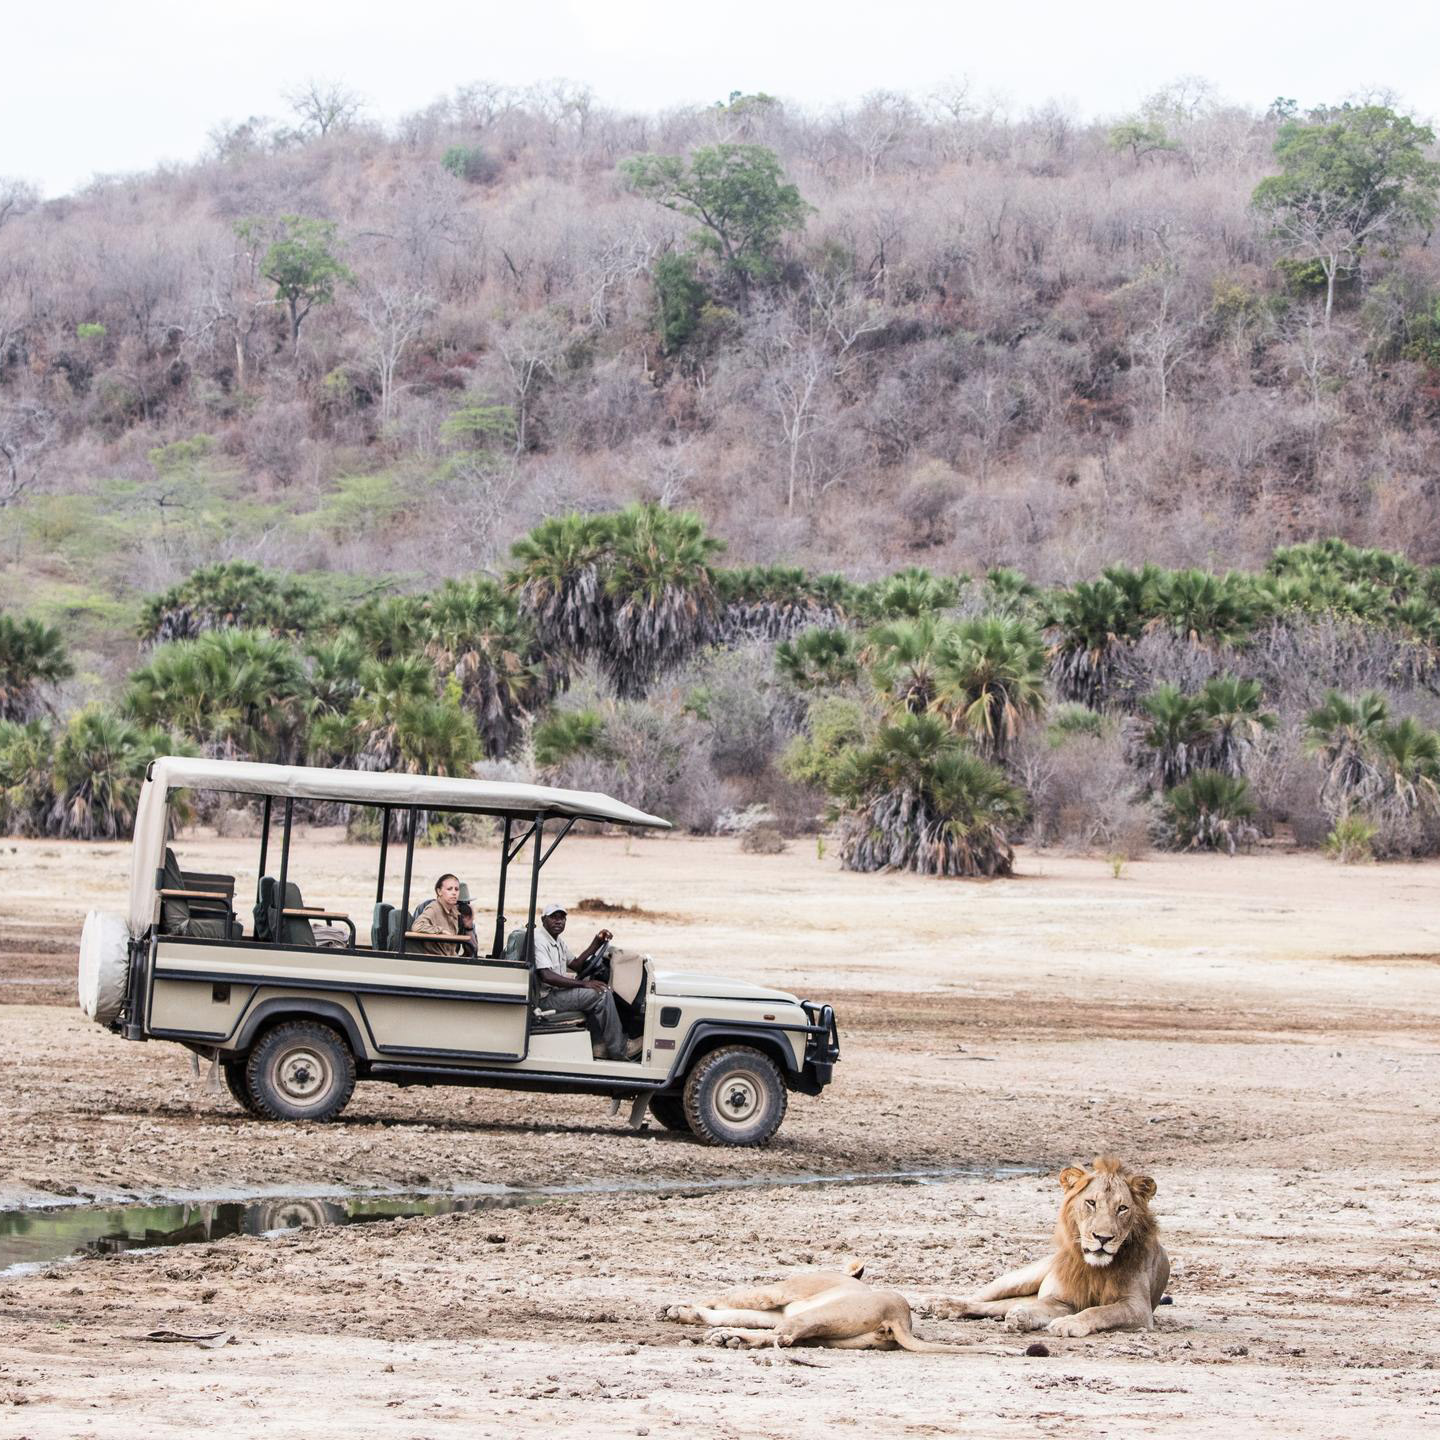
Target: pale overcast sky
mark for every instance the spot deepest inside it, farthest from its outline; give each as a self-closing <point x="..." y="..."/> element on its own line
<point x="97" y="86"/>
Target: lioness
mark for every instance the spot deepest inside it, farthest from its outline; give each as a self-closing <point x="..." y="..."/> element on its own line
<point x="1108" y="1271"/>
<point x="821" y="1307"/>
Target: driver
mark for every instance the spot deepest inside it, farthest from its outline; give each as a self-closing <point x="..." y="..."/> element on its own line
<point x="562" y="991"/>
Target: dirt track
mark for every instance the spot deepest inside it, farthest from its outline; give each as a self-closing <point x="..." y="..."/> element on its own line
<point x="1262" y="1035"/>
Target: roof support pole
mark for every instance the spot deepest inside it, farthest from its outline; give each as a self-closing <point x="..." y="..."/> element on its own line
<point x="534" y="892"/>
<point x="499" y="946"/>
<point x="409" y="867"/>
<point x="284" y="870"/>
<point x="264" y="844"/>
<point x="384" y="848"/>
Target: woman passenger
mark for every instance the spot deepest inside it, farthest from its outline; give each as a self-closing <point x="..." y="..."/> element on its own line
<point x="445" y="918"/>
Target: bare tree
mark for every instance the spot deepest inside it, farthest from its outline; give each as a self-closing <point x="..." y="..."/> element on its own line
<point x="1166" y="334"/>
<point x="531" y="351"/>
<point x="323" y="106"/>
<point x="27" y="429"/>
<point x="394" y="313"/>
<point x="16" y="197"/>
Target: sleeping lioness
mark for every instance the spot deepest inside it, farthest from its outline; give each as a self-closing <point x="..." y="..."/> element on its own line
<point x="1107" y="1272"/>
<point x="817" y="1307"/>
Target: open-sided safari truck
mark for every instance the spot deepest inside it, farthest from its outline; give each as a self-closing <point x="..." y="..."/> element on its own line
<point x="295" y="1018"/>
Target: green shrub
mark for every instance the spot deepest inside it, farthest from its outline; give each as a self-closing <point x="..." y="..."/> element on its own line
<point x="1210" y="811"/>
<point x="1351" y="842"/>
<point x="471" y="164"/>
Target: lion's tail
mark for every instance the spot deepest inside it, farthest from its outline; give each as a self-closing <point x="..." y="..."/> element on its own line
<point x="907" y="1339"/>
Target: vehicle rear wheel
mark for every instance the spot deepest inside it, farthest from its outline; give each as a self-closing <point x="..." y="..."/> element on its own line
<point x="735" y="1096"/>
<point x="239" y="1086"/>
<point x="301" y="1071"/>
<point x="669" y="1110"/>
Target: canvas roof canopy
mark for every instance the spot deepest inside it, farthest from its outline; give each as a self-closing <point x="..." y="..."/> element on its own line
<point x="354" y="787"/>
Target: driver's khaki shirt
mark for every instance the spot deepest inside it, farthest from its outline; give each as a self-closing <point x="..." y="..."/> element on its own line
<point x="551" y="952"/>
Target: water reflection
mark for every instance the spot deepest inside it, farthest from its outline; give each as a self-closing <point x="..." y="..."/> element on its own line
<point x="36" y="1237"/>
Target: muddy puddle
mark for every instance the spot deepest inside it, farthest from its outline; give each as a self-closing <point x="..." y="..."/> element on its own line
<point x="33" y="1238"/>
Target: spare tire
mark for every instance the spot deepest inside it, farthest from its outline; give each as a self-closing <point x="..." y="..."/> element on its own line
<point x="104" y="966"/>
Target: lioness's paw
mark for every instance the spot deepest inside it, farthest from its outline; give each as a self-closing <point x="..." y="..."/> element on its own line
<point x="726" y="1339"/>
<point x="1071" y="1326"/>
<point x="1023" y="1320"/>
<point x="681" y="1314"/>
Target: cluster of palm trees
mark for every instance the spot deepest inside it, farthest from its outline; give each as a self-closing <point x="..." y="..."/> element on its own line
<point x="919" y="687"/>
<point x="1373" y="763"/>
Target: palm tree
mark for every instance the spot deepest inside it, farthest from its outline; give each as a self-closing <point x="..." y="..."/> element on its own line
<point x="1341" y="731"/>
<point x="390" y="691"/>
<point x="231" y="595"/>
<point x="566" y="733"/>
<point x="1210" y="608"/>
<point x="660" y="592"/>
<point x="390" y="627"/>
<point x="335" y="666"/>
<point x="476" y="634"/>
<point x="1008" y="592"/>
<point x="903" y="656"/>
<point x="990" y="679"/>
<point x="819" y="659"/>
<point x="436" y="737"/>
<point x="27" y="753"/>
<point x="913" y="593"/>
<point x="1090" y="623"/>
<point x="1410" y="755"/>
<point x="239" y="693"/>
<point x="100" y="764"/>
<point x="1178" y="734"/>
<point x="559" y="580"/>
<point x="1210" y="811"/>
<point x="31" y="655"/>
<point x="917" y="798"/>
<point x="1233" y="708"/>
<point x="775" y="602"/>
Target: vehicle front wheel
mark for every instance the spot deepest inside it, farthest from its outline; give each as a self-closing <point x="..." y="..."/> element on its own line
<point x="239" y="1086"/>
<point x="735" y="1096"/>
<point x="301" y="1071"/>
<point x="669" y="1110"/>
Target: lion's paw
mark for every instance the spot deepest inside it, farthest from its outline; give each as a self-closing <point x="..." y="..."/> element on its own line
<point x="680" y="1314"/>
<point x="1023" y="1319"/>
<point x="726" y="1339"/>
<point x="1071" y="1326"/>
<point x="953" y="1310"/>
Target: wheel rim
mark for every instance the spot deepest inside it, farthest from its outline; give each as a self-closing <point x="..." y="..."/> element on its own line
<point x="302" y="1075"/>
<point x="739" y="1097"/>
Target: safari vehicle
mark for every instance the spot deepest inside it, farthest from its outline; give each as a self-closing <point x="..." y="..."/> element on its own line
<point x="294" y="1017"/>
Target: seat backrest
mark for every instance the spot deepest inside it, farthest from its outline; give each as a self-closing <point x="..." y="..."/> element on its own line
<point x="380" y="925"/>
<point x="394" y="924"/>
<point x="174" y="912"/>
<point x="295" y="929"/>
<point x="265" y="908"/>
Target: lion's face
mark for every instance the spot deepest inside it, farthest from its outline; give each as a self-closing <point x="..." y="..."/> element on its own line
<point x="1102" y="1208"/>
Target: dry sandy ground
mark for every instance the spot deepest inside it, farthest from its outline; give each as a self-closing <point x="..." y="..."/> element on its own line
<point x="1263" y="1035"/>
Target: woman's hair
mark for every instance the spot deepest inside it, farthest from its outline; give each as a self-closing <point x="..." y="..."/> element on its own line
<point x="446" y="876"/>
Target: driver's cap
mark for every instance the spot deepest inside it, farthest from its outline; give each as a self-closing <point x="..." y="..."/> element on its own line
<point x="550" y="910"/>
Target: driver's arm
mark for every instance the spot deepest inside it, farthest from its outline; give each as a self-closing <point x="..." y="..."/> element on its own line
<point x="602" y="938"/>
<point x="558" y="981"/>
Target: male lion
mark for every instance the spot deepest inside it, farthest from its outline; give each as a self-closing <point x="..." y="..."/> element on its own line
<point x="1108" y="1271"/>
<point x="821" y="1307"/>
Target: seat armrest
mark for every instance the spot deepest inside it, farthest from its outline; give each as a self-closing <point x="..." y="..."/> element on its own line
<point x="193" y="894"/>
<point x="307" y="913"/>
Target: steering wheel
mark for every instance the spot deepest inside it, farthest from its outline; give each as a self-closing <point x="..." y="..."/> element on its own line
<point x="598" y="962"/>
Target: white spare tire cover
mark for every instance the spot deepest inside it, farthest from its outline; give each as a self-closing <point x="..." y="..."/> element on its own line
<point x="104" y="965"/>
